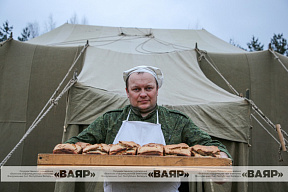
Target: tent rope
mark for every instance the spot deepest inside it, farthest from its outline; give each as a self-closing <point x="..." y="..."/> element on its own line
<point x="276" y="57"/>
<point x="280" y="147"/>
<point x="261" y="114"/>
<point x="265" y="118"/>
<point x="254" y="106"/>
<point x="35" y="123"/>
<point x="60" y="84"/>
<point x="202" y="55"/>
<point x="284" y="132"/>
<point x="52" y="103"/>
<point x="265" y="128"/>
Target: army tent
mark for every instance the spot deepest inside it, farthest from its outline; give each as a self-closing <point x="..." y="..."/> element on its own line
<point x="194" y="89"/>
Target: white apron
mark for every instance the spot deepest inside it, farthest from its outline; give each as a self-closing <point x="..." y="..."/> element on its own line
<point x="141" y="133"/>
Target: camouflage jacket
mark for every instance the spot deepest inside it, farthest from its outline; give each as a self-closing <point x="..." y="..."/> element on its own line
<point x="176" y="128"/>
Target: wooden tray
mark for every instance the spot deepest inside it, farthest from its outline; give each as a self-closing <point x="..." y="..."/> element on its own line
<point x="133" y="160"/>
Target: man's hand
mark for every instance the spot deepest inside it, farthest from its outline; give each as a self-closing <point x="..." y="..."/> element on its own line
<point x="223" y="155"/>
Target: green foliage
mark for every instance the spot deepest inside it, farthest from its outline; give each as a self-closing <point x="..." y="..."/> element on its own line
<point x="254" y="45"/>
<point x="25" y="35"/>
<point x="5" y="31"/>
<point x="279" y="44"/>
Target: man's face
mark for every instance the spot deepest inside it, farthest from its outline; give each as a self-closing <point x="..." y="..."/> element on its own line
<point x="142" y="91"/>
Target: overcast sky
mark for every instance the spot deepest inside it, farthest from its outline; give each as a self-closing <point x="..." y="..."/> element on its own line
<point x="227" y="19"/>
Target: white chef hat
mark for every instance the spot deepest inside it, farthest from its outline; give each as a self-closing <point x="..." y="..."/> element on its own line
<point x="156" y="72"/>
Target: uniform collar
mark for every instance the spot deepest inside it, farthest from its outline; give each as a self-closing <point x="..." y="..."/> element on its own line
<point x="137" y="112"/>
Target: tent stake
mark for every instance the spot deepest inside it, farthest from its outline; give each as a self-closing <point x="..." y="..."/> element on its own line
<point x="278" y="128"/>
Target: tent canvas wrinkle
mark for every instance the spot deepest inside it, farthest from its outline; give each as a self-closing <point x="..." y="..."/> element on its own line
<point x="135" y="40"/>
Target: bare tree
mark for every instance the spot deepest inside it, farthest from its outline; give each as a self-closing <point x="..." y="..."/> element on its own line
<point x="74" y="19"/>
<point x="84" y="21"/>
<point x="50" y="24"/>
<point x="33" y="29"/>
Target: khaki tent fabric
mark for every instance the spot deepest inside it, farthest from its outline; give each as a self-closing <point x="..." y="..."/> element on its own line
<point x="29" y="74"/>
<point x="267" y="81"/>
<point x="135" y="40"/>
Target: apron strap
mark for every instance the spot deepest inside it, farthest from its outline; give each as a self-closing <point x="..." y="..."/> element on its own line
<point x="128" y="115"/>
<point x="157" y="117"/>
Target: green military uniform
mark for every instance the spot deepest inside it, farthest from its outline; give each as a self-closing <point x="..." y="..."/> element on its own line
<point x="176" y="128"/>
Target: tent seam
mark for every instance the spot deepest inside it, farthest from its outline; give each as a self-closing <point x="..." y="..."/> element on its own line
<point x="28" y="88"/>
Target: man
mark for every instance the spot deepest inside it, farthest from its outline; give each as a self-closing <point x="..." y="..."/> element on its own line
<point x="143" y="121"/>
